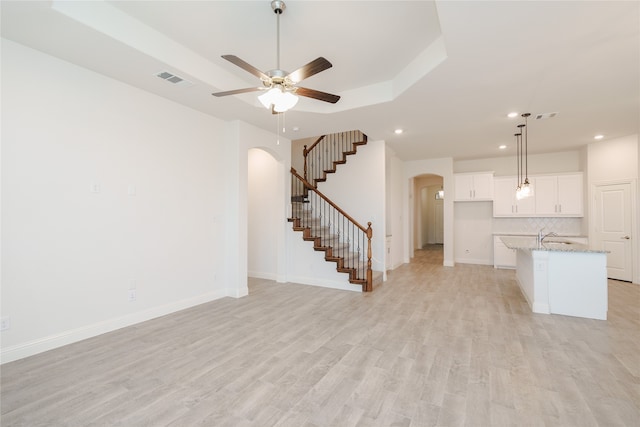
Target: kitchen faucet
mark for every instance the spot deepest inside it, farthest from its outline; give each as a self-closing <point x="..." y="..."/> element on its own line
<point x="542" y="236"/>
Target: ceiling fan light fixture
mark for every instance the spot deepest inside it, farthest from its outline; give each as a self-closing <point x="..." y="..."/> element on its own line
<point x="282" y="90"/>
<point x="285" y="101"/>
<point x="278" y="98"/>
<point x="268" y="98"/>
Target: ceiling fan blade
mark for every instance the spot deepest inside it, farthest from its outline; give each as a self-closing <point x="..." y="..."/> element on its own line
<point x="313" y="67"/>
<point x="237" y="91"/>
<point x="246" y="66"/>
<point x="316" y="94"/>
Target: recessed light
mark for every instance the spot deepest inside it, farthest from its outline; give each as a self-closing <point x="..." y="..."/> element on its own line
<point x="598" y="137"/>
<point x="502" y="147"/>
<point x="512" y="115"/>
<point x="398" y="131"/>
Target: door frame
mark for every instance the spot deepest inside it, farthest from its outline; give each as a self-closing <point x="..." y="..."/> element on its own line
<point x="635" y="264"/>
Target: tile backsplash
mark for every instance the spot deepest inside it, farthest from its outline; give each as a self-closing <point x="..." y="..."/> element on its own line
<point x="568" y="226"/>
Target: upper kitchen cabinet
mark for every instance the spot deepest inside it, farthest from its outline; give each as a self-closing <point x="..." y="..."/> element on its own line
<point x="560" y="195"/>
<point x="469" y="187"/>
<point x="553" y="196"/>
<point x="504" y="198"/>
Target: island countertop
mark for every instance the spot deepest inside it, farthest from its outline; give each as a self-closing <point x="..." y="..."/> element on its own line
<point x="558" y="244"/>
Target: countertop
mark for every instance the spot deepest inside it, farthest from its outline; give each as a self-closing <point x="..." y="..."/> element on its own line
<point x="533" y="234"/>
<point x="558" y="244"/>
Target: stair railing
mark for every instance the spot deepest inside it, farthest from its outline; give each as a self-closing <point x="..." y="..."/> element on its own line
<point x="333" y="230"/>
<point x="327" y="152"/>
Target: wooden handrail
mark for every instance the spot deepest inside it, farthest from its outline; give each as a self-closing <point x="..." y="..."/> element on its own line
<point x="368" y="230"/>
<point x="313" y="145"/>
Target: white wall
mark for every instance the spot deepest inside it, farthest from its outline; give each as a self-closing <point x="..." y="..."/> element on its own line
<point x="70" y="256"/>
<point x="613" y="160"/>
<point x="395" y="221"/>
<point x="565" y="161"/>
<point x="357" y="187"/>
<point x="473" y="233"/>
<point x="412" y="169"/>
<point x="617" y="160"/>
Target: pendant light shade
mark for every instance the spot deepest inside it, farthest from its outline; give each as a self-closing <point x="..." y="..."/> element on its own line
<point x="278" y="98"/>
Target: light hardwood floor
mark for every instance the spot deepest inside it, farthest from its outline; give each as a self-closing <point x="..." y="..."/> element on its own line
<point x="431" y="346"/>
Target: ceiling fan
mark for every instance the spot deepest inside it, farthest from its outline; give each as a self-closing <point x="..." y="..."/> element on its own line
<point x="280" y="86"/>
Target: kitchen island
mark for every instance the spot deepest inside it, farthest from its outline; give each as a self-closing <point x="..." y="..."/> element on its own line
<point x="559" y="276"/>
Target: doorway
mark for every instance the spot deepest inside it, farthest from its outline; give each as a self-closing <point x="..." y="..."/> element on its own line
<point x="429" y="216"/>
<point x="613" y="228"/>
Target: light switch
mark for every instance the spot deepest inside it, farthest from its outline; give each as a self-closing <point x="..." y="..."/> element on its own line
<point x="95" y="187"/>
<point x="131" y="190"/>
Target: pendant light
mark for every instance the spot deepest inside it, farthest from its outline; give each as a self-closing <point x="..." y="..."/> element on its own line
<point x="518" y="135"/>
<point x="526" y="187"/>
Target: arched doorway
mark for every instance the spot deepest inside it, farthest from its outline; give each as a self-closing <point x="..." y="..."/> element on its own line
<point x="429" y="212"/>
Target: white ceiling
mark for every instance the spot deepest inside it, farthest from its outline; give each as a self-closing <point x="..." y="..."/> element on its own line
<point x="447" y="72"/>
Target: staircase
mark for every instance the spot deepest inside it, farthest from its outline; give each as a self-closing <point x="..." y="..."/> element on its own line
<point x="343" y="240"/>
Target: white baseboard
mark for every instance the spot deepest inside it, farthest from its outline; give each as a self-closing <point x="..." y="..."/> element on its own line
<point x="262" y="275"/>
<point x="536" y="307"/>
<point x="238" y="292"/>
<point x="314" y="281"/>
<point x="541" y="308"/>
<point x="478" y="261"/>
<point x="51" y="342"/>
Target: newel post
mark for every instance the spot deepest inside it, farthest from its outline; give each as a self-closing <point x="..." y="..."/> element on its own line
<point x="368" y="287"/>
<point x="305" y="152"/>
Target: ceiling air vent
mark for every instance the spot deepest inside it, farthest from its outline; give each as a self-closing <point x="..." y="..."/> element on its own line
<point x="172" y="78"/>
<point x="546" y="115"/>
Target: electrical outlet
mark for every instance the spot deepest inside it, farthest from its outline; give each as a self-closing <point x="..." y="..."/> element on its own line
<point x="132" y="295"/>
<point x="5" y="323"/>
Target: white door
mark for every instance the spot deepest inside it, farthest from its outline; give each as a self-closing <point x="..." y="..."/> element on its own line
<point x="439" y="222"/>
<point x="613" y="228"/>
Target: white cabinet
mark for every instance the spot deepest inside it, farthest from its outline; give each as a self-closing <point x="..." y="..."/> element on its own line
<point x="503" y="257"/>
<point x="553" y="196"/>
<point x="473" y="187"/>
<point x="559" y="195"/>
<point x="504" y="199"/>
